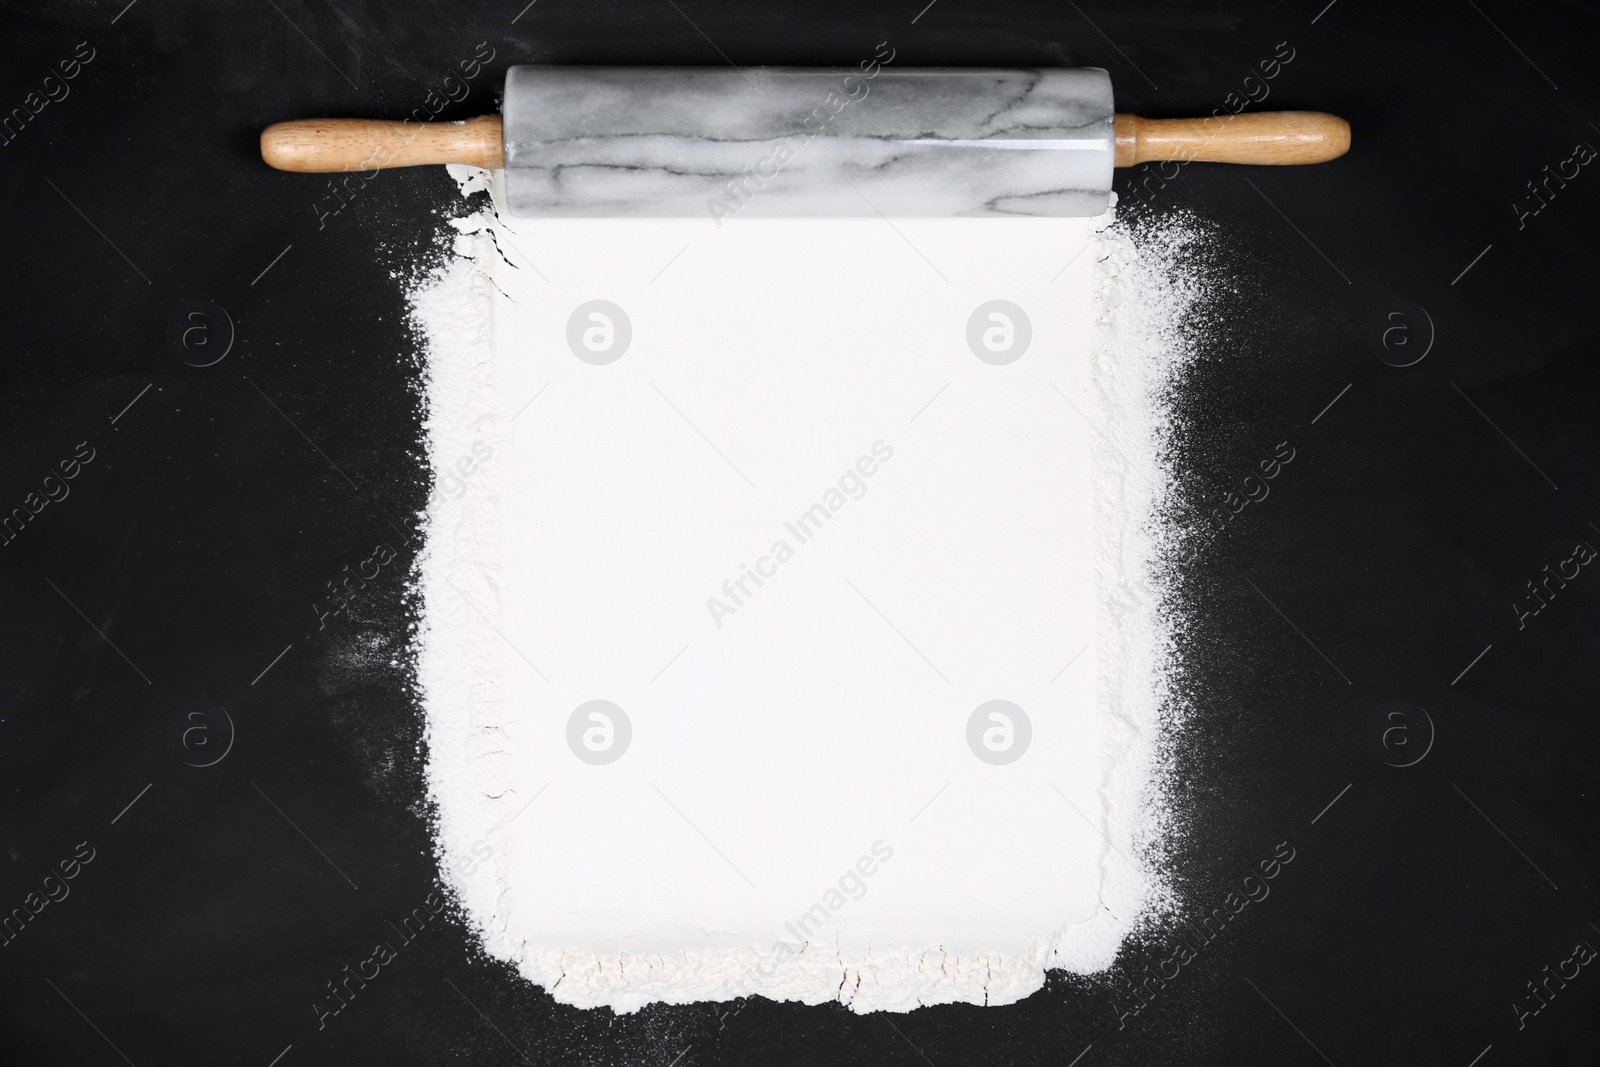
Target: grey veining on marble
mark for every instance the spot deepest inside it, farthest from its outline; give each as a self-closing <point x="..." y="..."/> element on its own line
<point x="717" y="142"/>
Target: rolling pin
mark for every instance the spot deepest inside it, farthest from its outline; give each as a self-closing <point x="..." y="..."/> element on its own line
<point x="615" y="142"/>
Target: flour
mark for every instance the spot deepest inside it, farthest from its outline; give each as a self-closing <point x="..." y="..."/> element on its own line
<point x="991" y="882"/>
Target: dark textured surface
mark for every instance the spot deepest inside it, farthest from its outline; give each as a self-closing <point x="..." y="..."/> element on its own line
<point x="189" y="551"/>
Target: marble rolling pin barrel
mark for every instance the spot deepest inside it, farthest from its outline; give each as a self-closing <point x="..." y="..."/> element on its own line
<point x="654" y="142"/>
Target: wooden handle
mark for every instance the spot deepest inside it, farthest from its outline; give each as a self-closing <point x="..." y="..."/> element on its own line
<point x="1272" y="138"/>
<point x="319" y="146"/>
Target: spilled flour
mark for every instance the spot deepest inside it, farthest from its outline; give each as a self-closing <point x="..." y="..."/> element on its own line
<point x="792" y="615"/>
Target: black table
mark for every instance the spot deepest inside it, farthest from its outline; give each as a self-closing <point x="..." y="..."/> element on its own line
<point x="221" y="360"/>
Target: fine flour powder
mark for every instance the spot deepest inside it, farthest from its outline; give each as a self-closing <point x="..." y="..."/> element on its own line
<point x="792" y="614"/>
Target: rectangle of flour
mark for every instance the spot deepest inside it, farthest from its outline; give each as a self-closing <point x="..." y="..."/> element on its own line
<point x="799" y="799"/>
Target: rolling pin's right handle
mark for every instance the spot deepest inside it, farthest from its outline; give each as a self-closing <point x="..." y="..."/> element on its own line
<point x="1272" y="138"/>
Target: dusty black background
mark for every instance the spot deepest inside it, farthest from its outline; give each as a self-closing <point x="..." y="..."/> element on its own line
<point x="1417" y="906"/>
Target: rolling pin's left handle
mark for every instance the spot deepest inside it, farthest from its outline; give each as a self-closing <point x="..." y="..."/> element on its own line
<point x="320" y="146"/>
<point x="1271" y="138"/>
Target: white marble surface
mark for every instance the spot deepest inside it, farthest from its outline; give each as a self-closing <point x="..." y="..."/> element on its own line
<point x="716" y="142"/>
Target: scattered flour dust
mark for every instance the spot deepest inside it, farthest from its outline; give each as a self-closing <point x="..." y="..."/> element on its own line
<point x="503" y="838"/>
